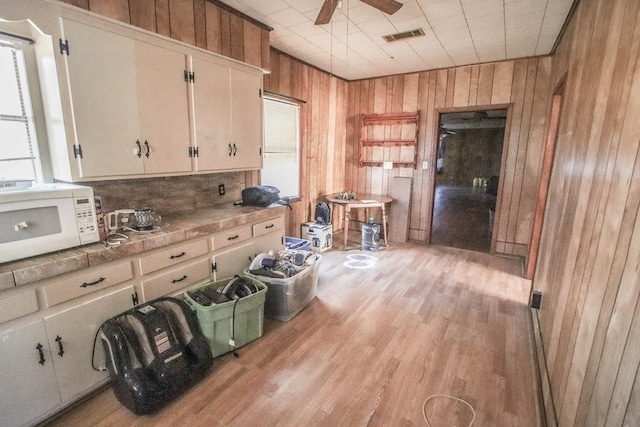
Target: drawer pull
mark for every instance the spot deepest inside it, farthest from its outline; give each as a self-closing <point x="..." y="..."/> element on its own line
<point x="59" y="341"/>
<point x="233" y="237"/>
<point x="100" y="280"/>
<point x="269" y="226"/>
<point x="181" y="254"/>
<point x="179" y="280"/>
<point x="41" y="353"/>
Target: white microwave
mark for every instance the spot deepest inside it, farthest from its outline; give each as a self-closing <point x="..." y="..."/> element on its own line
<point x="46" y="218"/>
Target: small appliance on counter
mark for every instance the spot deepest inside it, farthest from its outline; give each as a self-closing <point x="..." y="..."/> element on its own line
<point x="139" y="220"/>
<point x="46" y="218"/>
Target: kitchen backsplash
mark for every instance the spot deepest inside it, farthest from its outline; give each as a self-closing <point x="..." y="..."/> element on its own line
<point x="170" y="195"/>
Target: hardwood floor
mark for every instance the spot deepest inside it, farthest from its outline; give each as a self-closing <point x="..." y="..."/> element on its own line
<point x="461" y="217"/>
<point x="387" y="330"/>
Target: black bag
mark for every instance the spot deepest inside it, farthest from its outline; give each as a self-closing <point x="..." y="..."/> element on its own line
<point x="261" y="195"/>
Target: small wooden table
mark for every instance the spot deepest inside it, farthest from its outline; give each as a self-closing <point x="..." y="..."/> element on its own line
<point x="365" y="201"/>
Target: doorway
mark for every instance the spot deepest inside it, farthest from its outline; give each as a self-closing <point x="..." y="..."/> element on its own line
<point x="469" y="157"/>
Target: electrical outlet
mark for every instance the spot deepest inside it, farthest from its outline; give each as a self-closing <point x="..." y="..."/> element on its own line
<point x="425" y="165"/>
<point x="221" y="189"/>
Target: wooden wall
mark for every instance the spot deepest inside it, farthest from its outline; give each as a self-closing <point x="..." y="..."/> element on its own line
<point x="200" y="23"/>
<point x="520" y="85"/>
<point x="323" y="124"/>
<point x="589" y="260"/>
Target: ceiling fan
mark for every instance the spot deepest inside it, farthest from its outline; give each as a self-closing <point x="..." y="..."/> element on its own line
<point x="329" y="6"/>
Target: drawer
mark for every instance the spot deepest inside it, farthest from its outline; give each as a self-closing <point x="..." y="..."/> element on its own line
<point x="176" y="279"/>
<point x="85" y="283"/>
<point x="230" y="237"/>
<point x="265" y="227"/>
<point x="18" y="305"/>
<point x="173" y="256"/>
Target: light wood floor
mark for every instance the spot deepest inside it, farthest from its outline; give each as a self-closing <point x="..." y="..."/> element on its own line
<point x="387" y="330"/>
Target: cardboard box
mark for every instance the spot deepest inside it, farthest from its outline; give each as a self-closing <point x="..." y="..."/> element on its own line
<point x="320" y="236"/>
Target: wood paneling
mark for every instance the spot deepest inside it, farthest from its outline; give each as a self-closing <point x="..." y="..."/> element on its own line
<point x="323" y="124"/>
<point x="588" y="263"/>
<point x="201" y="23"/>
<point x="520" y="85"/>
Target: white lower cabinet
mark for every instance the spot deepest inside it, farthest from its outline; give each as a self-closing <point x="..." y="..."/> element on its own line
<point x="48" y="362"/>
<point x="233" y="261"/>
<point x="29" y="387"/>
<point x="267" y="242"/>
<point x="71" y="335"/>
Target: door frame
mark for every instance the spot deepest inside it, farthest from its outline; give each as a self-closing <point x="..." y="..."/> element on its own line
<point x="434" y="149"/>
<point x="555" y="114"/>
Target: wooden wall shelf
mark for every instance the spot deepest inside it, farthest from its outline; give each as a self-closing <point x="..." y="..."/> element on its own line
<point x="393" y="138"/>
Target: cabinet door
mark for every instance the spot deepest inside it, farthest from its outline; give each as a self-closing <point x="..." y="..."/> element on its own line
<point x="269" y="242"/>
<point x="102" y="80"/>
<point x="246" y="119"/>
<point x="163" y="110"/>
<point x="27" y="376"/>
<point x="233" y="261"/>
<point x="71" y="336"/>
<point x="211" y="96"/>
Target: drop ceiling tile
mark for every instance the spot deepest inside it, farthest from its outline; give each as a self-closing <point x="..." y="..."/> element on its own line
<point x="442" y="10"/>
<point x="288" y="17"/>
<point x="478" y="9"/>
<point x="524" y="7"/>
<point x="302" y="6"/>
<point x="486" y="22"/>
<point x="448" y="24"/>
<point x="359" y="12"/>
<point x="306" y="30"/>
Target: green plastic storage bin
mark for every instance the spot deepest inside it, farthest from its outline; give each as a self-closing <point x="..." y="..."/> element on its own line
<point x="218" y="321"/>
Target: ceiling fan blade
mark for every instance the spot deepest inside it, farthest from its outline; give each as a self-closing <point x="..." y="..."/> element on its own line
<point x="326" y="12"/>
<point x="387" y="6"/>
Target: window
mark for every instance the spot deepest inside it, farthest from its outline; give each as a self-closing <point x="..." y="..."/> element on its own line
<point x="281" y="166"/>
<point x="19" y="157"/>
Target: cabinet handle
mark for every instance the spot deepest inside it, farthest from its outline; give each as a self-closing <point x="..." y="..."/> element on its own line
<point x="181" y="254"/>
<point x="146" y="144"/>
<point x="233" y="237"/>
<point x="59" y="341"/>
<point x="100" y="280"/>
<point x="269" y="226"/>
<point x="230" y="150"/>
<point x="139" y="153"/>
<point x="234" y="150"/>
<point x="179" y="280"/>
<point x="41" y="353"/>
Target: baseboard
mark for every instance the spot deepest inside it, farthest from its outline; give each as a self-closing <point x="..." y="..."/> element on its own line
<point x="548" y="415"/>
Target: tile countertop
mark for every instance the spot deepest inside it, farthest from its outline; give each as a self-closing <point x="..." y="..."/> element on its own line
<point x="175" y="229"/>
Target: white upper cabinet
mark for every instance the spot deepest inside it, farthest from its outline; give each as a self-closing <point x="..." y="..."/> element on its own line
<point x="129" y="104"/>
<point x="227" y="114"/>
<point x="163" y="109"/>
<point x="101" y="78"/>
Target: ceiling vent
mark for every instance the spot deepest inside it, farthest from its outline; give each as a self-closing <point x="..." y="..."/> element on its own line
<point x="404" y="35"/>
